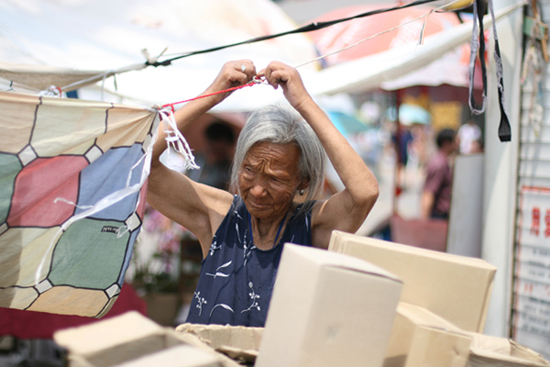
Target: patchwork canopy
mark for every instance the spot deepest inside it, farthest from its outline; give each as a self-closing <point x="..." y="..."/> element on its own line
<point x="72" y="195"/>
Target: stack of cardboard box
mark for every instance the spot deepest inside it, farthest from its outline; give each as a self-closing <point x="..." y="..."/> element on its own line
<point x="443" y="308"/>
<point x="365" y="302"/>
<point x="437" y="323"/>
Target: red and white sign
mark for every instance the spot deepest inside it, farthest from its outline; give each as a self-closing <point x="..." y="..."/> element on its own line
<point x="532" y="284"/>
<point x="534" y="226"/>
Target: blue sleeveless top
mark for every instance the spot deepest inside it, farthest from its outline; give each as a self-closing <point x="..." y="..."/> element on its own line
<point x="237" y="278"/>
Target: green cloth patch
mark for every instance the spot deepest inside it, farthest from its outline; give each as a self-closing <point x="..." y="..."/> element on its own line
<point x="95" y="267"/>
<point x="9" y="168"/>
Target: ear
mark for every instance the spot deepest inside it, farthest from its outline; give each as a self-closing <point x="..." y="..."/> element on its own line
<point x="303" y="185"/>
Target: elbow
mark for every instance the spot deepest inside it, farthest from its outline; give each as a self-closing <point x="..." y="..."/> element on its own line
<point x="363" y="205"/>
<point x="367" y="198"/>
<point x="372" y="196"/>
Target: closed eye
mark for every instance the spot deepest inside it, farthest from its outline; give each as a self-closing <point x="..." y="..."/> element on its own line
<point x="247" y="172"/>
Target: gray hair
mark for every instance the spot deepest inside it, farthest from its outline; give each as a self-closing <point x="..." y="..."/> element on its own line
<point x="282" y="124"/>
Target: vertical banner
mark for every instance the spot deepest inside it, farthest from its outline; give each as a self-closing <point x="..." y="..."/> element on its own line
<point x="531" y="322"/>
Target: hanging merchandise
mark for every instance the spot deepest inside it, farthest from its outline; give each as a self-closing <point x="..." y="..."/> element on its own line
<point x="478" y="50"/>
<point x="535" y="59"/>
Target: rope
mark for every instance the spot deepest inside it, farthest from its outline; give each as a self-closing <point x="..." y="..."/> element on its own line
<point x="420" y="41"/>
<point x="102" y="76"/>
<point x="305" y="29"/>
<point x="153" y="61"/>
<point x="262" y="80"/>
<point x="253" y="82"/>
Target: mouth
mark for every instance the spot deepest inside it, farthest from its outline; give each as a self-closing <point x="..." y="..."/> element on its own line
<point x="259" y="206"/>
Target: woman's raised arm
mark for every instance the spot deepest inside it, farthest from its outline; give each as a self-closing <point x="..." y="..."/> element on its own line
<point x="346" y="210"/>
<point x="199" y="208"/>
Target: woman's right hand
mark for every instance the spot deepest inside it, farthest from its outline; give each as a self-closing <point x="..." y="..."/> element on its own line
<point x="232" y="74"/>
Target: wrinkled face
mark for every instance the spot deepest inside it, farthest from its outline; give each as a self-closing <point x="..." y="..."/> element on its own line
<point x="269" y="178"/>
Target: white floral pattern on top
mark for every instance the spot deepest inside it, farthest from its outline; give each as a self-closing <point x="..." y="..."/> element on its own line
<point x="254" y="298"/>
<point x="247" y="246"/>
<point x="237" y="230"/>
<point x="200" y="301"/>
<point x="214" y="247"/>
<point x="222" y="305"/>
<point x="219" y="273"/>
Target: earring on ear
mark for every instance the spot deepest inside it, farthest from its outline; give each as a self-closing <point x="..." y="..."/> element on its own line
<point x="302" y="192"/>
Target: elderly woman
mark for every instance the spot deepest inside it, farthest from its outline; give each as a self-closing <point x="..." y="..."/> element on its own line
<point x="280" y="153"/>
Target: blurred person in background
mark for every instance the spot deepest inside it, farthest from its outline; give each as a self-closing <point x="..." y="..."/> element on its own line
<point x="215" y="163"/>
<point x="435" y="201"/>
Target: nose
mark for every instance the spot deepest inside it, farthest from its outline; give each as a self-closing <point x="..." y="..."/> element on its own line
<point x="258" y="189"/>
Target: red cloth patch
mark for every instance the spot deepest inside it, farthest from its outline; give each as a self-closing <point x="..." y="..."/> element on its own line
<point x="39" y="184"/>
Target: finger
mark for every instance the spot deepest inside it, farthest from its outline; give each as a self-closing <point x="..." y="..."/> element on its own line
<point x="278" y="77"/>
<point x="268" y="73"/>
<point x="247" y="68"/>
<point x="235" y="78"/>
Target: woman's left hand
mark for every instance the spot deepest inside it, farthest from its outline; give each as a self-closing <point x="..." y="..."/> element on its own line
<point x="278" y="73"/>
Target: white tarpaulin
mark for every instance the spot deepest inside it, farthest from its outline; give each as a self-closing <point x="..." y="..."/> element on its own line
<point x="401" y="67"/>
<point x="57" y="42"/>
<point x="68" y="38"/>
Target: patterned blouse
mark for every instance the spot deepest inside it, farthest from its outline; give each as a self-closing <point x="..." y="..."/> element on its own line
<point x="237" y="278"/>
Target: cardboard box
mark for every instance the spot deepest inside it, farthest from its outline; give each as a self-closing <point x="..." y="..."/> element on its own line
<point x="178" y="356"/>
<point x="328" y="309"/>
<point x="488" y="351"/>
<point x="121" y="339"/>
<point x="238" y="342"/>
<point x="454" y="287"/>
<point x="420" y="338"/>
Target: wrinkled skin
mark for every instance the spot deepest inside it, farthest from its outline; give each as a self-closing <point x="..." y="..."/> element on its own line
<point x="269" y="178"/>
